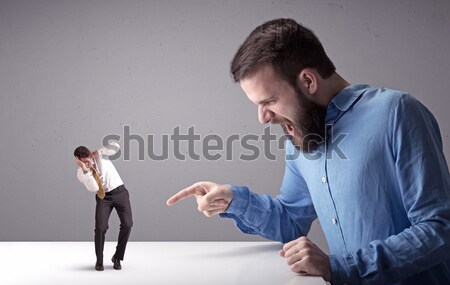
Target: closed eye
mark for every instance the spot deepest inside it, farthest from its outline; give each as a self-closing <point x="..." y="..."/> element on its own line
<point x="268" y="102"/>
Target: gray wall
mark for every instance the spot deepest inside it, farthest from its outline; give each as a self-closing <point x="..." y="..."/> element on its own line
<point x="73" y="72"/>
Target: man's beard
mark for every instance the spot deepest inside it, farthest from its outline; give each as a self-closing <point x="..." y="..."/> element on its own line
<point x="308" y="124"/>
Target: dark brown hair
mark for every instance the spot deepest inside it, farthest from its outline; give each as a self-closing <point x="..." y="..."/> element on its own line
<point x="82" y="152"/>
<point x="288" y="46"/>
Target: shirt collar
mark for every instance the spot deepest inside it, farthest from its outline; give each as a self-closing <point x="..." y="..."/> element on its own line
<point x="348" y="96"/>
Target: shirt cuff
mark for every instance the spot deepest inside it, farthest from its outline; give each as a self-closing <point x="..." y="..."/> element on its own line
<point x="343" y="269"/>
<point x="239" y="203"/>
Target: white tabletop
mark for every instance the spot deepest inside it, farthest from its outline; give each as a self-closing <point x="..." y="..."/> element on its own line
<point x="156" y="263"/>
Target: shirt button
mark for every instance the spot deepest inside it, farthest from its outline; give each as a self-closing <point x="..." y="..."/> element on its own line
<point x="334" y="221"/>
<point x="324" y="179"/>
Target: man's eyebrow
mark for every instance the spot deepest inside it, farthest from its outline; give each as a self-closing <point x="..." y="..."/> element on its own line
<point x="266" y="100"/>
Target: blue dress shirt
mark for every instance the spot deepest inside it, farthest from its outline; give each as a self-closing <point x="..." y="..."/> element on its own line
<point x="379" y="185"/>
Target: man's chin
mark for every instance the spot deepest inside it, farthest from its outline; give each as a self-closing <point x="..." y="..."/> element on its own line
<point x="296" y="141"/>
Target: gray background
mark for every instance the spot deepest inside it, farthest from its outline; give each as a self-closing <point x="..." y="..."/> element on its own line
<point x="73" y="72"/>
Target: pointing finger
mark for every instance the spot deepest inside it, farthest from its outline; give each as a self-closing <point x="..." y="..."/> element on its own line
<point x="183" y="194"/>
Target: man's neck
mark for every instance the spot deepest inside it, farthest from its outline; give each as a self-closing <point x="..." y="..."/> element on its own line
<point x="330" y="87"/>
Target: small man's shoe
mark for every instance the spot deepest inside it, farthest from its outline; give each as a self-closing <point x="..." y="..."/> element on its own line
<point x="99" y="266"/>
<point x="116" y="262"/>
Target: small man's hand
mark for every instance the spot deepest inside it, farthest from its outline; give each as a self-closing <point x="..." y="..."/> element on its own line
<point x="212" y="199"/>
<point x="81" y="164"/>
<point x="95" y="153"/>
<point x="304" y="257"/>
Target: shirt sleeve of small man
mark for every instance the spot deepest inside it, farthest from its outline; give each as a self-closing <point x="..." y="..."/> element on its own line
<point x="88" y="180"/>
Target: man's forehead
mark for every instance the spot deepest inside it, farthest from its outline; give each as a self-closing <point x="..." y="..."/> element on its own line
<point x="262" y="84"/>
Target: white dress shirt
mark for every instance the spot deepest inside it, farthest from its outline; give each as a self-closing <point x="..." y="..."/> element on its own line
<point x="108" y="173"/>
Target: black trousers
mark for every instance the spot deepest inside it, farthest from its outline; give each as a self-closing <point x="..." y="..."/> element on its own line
<point x="119" y="199"/>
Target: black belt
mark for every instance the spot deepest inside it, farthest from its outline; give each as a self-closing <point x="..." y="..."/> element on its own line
<point x="116" y="190"/>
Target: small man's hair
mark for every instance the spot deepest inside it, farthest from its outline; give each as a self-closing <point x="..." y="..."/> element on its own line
<point x="82" y="152"/>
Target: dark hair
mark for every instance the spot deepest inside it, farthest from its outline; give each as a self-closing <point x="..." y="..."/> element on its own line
<point x="82" y="152"/>
<point x="288" y="46"/>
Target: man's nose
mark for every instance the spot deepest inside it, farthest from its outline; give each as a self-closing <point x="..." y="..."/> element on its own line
<point x="264" y="115"/>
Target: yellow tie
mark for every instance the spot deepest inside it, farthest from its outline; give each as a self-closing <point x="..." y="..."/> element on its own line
<point x="101" y="191"/>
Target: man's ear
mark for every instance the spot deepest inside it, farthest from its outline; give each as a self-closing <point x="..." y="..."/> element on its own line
<point x="307" y="80"/>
